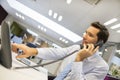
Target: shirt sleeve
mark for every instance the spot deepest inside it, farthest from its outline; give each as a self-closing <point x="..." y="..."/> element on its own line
<point x="56" y="53"/>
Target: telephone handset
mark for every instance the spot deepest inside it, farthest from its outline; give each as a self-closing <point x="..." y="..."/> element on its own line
<point x="99" y="43"/>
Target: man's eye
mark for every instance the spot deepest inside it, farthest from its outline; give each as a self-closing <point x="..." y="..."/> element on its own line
<point x="91" y="35"/>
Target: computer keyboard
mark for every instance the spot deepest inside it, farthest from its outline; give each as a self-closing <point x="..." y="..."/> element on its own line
<point x="30" y="63"/>
<point x="25" y="61"/>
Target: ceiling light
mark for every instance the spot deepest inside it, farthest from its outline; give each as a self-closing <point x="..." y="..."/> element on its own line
<point x="19" y="15"/>
<point x="118" y="31"/>
<point x="50" y="12"/>
<point x="115" y="26"/>
<point x="55" y="15"/>
<point x="60" y="18"/>
<point x="110" y="21"/>
<point x="66" y="41"/>
<point x="44" y="30"/>
<point x="33" y="33"/>
<point x="55" y="45"/>
<point x="23" y="17"/>
<point x="16" y="14"/>
<point x="60" y="38"/>
<point x="39" y="26"/>
<point x="63" y="40"/>
<point x="45" y="21"/>
<point x="68" y="1"/>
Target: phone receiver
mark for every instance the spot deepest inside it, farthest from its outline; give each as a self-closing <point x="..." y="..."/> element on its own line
<point x="99" y="43"/>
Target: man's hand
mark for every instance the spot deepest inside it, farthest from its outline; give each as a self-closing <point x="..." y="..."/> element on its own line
<point x="88" y="50"/>
<point x="27" y="51"/>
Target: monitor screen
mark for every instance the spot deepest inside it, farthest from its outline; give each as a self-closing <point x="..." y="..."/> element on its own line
<point x="5" y="51"/>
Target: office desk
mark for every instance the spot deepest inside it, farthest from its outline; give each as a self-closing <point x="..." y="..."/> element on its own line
<point x="22" y="74"/>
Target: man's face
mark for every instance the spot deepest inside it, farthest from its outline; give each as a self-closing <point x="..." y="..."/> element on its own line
<point x="90" y="36"/>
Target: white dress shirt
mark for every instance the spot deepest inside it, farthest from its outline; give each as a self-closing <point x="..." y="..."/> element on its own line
<point x="92" y="68"/>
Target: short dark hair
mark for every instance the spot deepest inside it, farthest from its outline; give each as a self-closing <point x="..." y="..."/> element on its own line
<point x="103" y="34"/>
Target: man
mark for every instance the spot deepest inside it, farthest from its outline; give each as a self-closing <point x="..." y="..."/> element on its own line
<point x="86" y="64"/>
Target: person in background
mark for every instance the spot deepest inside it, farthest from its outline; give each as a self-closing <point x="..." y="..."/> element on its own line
<point x="0" y="40"/>
<point x="86" y="63"/>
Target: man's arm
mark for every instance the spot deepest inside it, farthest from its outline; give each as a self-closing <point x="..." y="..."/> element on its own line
<point x="26" y="51"/>
<point x="56" y="53"/>
<point x="44" y="53"/>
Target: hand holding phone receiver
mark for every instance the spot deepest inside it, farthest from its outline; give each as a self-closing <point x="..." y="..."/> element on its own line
<point x="99" y="43"/>
<point x="19" y="51"/>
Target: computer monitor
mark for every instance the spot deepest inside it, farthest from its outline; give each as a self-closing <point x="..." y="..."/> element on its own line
<point x="5" y="51"/>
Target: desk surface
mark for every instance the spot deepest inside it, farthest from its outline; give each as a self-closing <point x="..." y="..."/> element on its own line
<point x="22" y="74"/>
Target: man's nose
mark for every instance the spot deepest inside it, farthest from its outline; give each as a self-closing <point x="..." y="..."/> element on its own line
<point x="84" y="35"/>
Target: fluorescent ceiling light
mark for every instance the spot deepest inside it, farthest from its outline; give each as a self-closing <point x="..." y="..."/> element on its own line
<point x="44" y="30"/>
<point x="55" y="15"/>
<point x="68" y="1"/>
<point x="118" y="31"/>
<point x="60" y="18"/>
<point x="115" y="26"/>
<point x="110" y="21"/>
<point x="44" y="20"/>
<point x="66" y="41"/>
<point x="63" y="40"/>
<point x="50" y="12"/>
<point x="20" y="16"/>
<point x="55" y="45"/>
<point x="60" y="38"/>
<point x="33" y="33"/>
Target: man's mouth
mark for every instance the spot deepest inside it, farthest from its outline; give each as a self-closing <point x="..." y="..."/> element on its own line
<point x="84" y="42"/>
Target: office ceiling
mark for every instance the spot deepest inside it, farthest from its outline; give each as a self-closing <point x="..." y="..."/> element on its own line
<point x="77" y="16"/>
